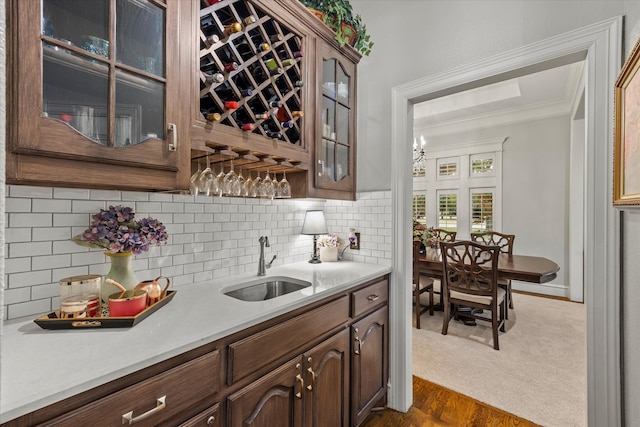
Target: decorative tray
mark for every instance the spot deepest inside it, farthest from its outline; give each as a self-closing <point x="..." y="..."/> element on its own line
<point x="52" y="321"/>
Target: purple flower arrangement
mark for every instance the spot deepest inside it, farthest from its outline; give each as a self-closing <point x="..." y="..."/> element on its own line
<point x="116" y="230"/>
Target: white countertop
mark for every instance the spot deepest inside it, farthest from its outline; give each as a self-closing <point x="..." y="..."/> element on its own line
<point x="41" y="367"/>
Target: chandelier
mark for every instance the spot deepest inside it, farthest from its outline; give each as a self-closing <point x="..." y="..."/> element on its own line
<point x="419" y="157"/>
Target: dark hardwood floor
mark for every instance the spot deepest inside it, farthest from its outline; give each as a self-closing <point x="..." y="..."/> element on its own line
<point x="434" y="405"/>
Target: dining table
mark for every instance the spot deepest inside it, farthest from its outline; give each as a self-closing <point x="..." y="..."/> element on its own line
<point x="525" y="268"/>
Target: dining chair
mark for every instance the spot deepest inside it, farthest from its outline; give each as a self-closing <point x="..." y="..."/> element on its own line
<point x="421" y="284"/>
<point x="441" y="235"/>
<point x="471" y="280"/>
<point x="505" y="242"/>
<point x="445" y="235"/>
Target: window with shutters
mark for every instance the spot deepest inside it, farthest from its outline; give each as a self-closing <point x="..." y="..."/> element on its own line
<point x="448" y="168"/>
<point x="448" y="210"/>
<point x="419" y="208"/>
<point x="481" y="210"/>
<point x="481" y="164"/>
<point x="462" y="187"/>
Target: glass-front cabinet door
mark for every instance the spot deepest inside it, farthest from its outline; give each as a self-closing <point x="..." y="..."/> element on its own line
<point x="335" y="163"/>
<point x="94" y="80"/>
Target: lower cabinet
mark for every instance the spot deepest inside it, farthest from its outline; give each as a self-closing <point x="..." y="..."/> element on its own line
<point x="369" y="369"/>
<point x="310" y="390"/>
<point x="325" y="365"/>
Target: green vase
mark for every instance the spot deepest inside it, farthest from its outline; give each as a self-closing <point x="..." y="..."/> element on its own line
<point x="121" y="272"/>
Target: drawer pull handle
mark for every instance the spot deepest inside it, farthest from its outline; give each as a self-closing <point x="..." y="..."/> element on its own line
<point x="211" y="420"/>
<point x="373" y="297"/>
<point x="299" y="378"/>
<point x="128" y="418"/>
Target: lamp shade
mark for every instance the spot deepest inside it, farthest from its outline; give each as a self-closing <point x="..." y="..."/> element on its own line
<point x="314" y="223"/>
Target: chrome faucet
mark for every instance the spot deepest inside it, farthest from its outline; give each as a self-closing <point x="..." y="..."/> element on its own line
<point x="262" y="268"/>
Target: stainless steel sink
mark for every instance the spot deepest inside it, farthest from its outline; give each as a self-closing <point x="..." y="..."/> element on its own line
<point x="266" y="288"/>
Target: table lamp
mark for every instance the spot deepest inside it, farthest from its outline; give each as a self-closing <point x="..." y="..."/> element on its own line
<point x="314" y="224"/>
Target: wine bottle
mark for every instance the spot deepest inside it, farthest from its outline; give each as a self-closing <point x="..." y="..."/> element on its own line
<point x="276" y="38"/>
<point x="288" y="62"/>
<point x="211" y="78"/>
<point x="281" y="114"/>
<point x="244" y="49"/>
<point x="297" y="114"/>
<point x="213" y="117"/>
<point x="247" y="127"/>
<point x="263" y="47"/>
<point x="298" y="83"/>
<point x="287" y="124"/>
<point x="249" y="20"/>
<point x="276" y="71"/>
<point x="231" y="66"/>
<point x="262" y="116"/>
<point x="298" y="54"/>
<point x="232" y="28"/>
<point x="272" y="134"/>
<point x="275" y="103"/>
<point x="271" y="64"/>
<point x="212" y="39"/>
<point x="231" y="105"/>
<point x="226" y="92"/>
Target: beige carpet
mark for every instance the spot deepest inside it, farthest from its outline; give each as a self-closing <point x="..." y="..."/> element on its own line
<point x="538" y="374"/>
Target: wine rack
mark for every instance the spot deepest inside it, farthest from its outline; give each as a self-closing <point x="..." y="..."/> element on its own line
<point x="250" y="71"/>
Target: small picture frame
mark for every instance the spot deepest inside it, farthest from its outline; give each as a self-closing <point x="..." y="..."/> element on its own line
<point x="626" y="167"/>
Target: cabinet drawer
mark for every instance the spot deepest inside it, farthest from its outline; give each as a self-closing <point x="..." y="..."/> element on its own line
<point x="370" y="297"/>
<point x="209" y="418"/>
<point x="253" y="353"/>
<point x="161" y="396"/>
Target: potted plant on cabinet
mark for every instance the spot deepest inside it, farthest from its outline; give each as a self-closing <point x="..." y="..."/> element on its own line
<point x="338" y="15"/>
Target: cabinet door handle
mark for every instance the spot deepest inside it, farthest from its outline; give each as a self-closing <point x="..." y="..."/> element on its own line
<point x="299" y="378"/>
<point x="313" y="379"/>
<point x="211" y="420"/>
<point x="373" y="297"/>
<point x="128" y="418"/>
<point x="173" y="145"/>
<point x="359" y="345"/>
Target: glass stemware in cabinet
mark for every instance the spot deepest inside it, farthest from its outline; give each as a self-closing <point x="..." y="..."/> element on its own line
<point x="267" y="187"/>
<point x="206" y="176"/>
<point x="284" y="188"/>
<point x="229" y="181"/>
<point x="219" y="182"/>
<point x="238" y="186"/>
<point x="256" y="187"/>
<point x="194" y="181"/>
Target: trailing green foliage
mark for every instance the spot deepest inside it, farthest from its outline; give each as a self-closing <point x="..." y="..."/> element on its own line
<point x="338" y="12"/>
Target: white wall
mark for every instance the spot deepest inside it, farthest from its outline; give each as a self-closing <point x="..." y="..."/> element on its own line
<point x="415" y="39"/>
<point x="418" y="39"/>
<point x="535" y="188"/>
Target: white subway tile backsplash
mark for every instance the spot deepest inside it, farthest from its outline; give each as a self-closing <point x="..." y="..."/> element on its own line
<point x="20" y="280"/>
<point x="51" y="233"/>
<point x="44" y="205"/>
<point x="30" y="220"/>
<point x="18" y="205"/>
<point x="17" y="250"/>
<point x="12" y="235"/>
<point x="17" y="295"/>
<point x="208" y="237"/>
<point x="51" y="261"/>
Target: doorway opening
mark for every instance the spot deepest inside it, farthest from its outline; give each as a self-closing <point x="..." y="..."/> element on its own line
<point x="600" y="46"/>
